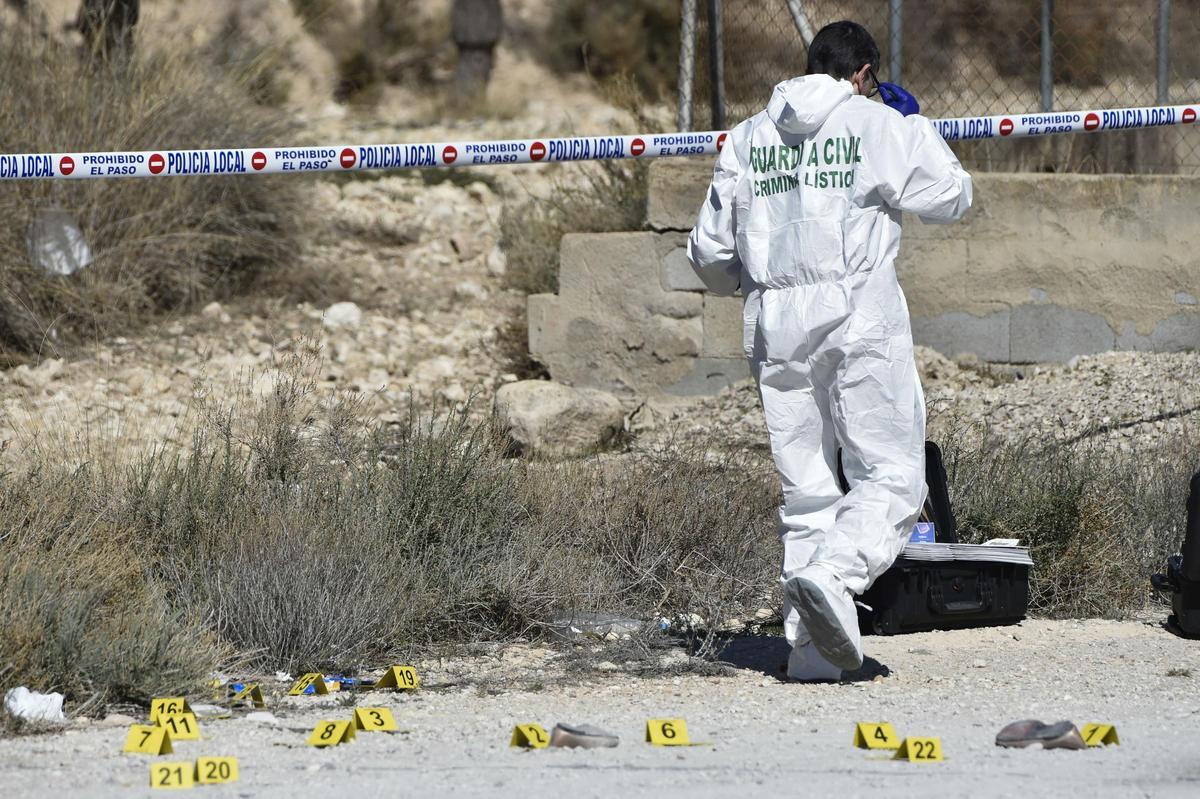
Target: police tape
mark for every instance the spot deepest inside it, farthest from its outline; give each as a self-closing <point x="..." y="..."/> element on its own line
<point x="343" y="158"/>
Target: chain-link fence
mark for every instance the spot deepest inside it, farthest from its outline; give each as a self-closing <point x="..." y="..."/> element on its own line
<point x="982" y="57"/>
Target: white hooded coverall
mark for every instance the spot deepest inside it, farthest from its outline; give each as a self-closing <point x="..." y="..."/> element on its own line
<point x="803" y="215"/>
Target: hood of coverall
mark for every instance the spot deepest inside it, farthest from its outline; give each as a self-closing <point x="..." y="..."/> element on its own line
<point x="801" y="105"/>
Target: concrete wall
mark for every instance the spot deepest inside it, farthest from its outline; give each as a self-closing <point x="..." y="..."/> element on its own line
<point x="1044" y="267"/>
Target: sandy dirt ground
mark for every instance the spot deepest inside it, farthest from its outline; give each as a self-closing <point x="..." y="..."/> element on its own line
<point x="768" y="736"/>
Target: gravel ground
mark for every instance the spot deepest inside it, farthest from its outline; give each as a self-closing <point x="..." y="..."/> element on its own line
<point x="1125" y="400"/>
<point x="768" y="735"/>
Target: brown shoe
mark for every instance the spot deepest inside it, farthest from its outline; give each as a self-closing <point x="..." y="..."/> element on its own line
<point x="1060" y="735"/>
<point x="583" y="736"/>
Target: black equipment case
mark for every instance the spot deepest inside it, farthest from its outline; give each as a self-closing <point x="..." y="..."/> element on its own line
<point x="917" y="595"/>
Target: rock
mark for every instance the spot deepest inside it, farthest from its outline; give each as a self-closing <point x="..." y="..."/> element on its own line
<point x="261" y="717"/>
<point x="37" y="378"/>
<point x="434" y="370"/>
<point x="214" y="311"/>
<point x="469" y="290"/>
<point x="342" y="314"/>
<point x="497" y="262"/>
<point x="549" y="419"/>
<point x="454" y="393"/>
<point x="117" y="720"/>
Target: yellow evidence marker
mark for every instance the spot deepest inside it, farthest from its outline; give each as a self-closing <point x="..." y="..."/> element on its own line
<point x="873" y="735"/>
<point x="530" y="736"/>
<point x="170" y="704"/>
<point x="172" y="775"/>
<point x="667" y="732"/>
<point x="920" y="750"/>
<point x="402" y="678"/>
<point x="216" y="770"/>
<point x="183" y="726"/>
<point x="1100" y="735"/>
<point x="331" y="733"/>
<point x="317" y="681"/>
<point x="144" y="739"/>
<point x="374" y="719"/>
<point x="249" y="695"/>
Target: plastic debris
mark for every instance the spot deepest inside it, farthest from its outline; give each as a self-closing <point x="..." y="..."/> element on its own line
<point x="56" y="244"/>
<point x="597" y="626"/>
<point x="28" y="705"/>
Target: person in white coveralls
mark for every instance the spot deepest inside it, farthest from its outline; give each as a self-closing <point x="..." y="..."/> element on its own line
<point x="803" y="216"/>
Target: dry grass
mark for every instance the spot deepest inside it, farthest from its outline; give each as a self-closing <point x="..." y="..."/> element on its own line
<point x="1098" y="522"/>
<point x="78" y="611"/>
<point x="297" y="533"/>
<point x="160" y="245"/>
<point x="302" y="535"/>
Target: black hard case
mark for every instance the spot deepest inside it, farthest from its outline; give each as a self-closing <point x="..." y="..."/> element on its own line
<point x="914" y="595"/>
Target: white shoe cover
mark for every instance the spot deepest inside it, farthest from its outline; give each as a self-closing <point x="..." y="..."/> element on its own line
<point x="805" y="663"/>
<point x="827" y="611"/>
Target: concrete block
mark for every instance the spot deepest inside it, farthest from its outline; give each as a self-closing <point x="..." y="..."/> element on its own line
<point x="676" y="273"/>
<point x="722" y="327"/>
<point x="708" y="376"/>
<point x="957" y="333"/>
<point x="669" y="339"/>
<point x="1049" y="332"/>
<point x="676" y="304"/>
<point x="676" y="190"/>
<point x="542" y="312"/>
<point x="1176" y="333"/>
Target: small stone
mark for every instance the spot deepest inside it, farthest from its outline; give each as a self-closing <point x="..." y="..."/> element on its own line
<point x="979" y="664"/>
<point x="214" y="311"/>
<point x="470" y="290"/>
<point x="497" y="262"/>
<point x="342" y="314"/>
<point x="261" y="717"/>
<point x="117" y="720"/>
<point x="454" y="393"/>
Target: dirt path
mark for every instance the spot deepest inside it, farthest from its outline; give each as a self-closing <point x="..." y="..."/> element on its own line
<point x="770" y="737"/>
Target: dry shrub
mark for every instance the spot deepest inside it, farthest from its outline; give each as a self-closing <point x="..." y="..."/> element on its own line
<point x="313" y="538"/>
<point x="306" y="536"/>
<point x="1098" y="522"/>
<point x="159" y="245"/>
<point x="680" y="536"/>
<point x="77" y="612"/>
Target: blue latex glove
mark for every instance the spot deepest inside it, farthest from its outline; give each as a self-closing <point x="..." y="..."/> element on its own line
<point x="899" y="99"/>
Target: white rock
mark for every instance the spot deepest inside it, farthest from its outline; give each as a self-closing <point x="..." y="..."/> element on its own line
<point x="48" y="370"/>
<point x="261" y="717"/>
<point x="550" y="419"/>
<point x="497" y="262"/>
<point x="454" y="393"/>
<point x="470" y="290"/>
<point x="434" y="370"/>
<point x="214" y="311"/>
<point x="117" y="720"/>
<point x="342" y="314"/>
